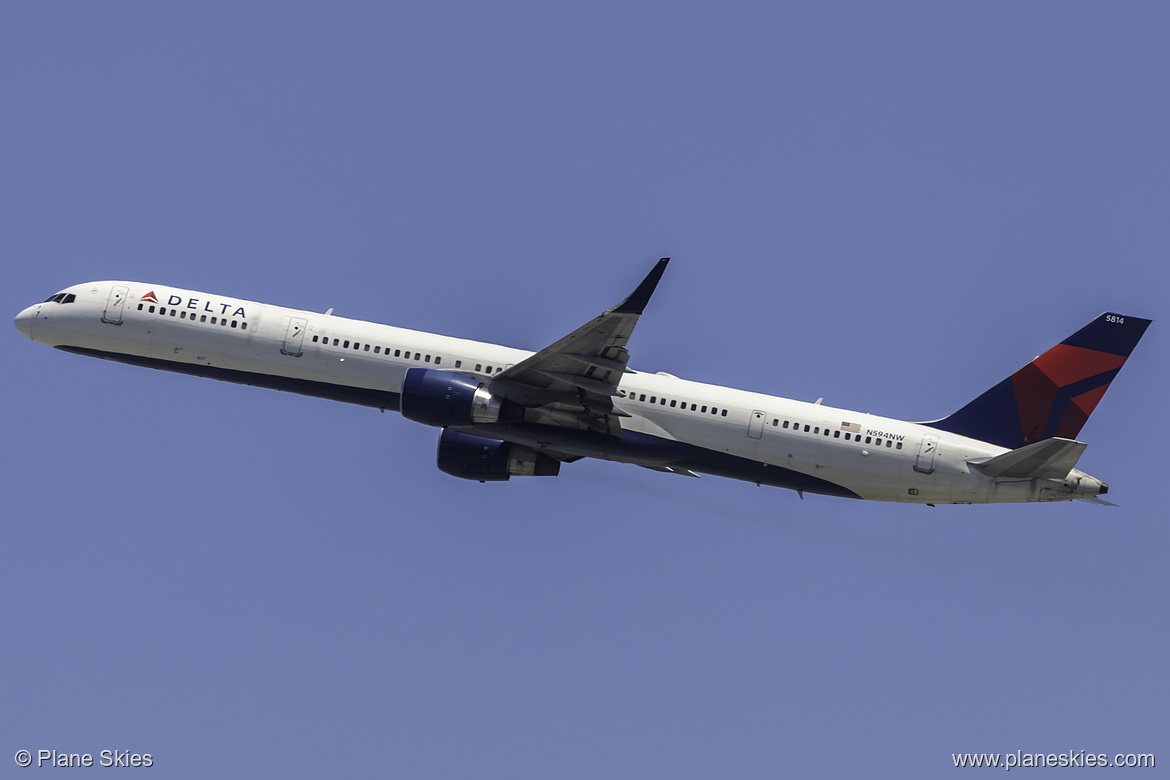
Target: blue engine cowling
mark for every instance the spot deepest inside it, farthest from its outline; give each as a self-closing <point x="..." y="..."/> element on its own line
<point x="467" y="456"/>
<point x="445" y="398"/>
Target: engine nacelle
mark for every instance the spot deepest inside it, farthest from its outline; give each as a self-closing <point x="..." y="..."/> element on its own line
<point x="468" y="456"/>
<point x="444" y="398"/>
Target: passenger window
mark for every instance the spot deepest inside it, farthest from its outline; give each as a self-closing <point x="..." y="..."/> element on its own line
<point x="406" y="356"/>
<point x="479" y="367"/>
<point x="692" y="407"/>
<point x="366" y="349"/>
<point x="662" y="401"/>
<point x="899" y="446"/>
<point x="173" y="312"/>
<point x="889" y="443"/>
<point x="335" y="342"/>
<point x="723" y="413"/>
<point x="428" y="360"/>
<point x="642" y="397"/>
<point x="140" y="307"/>
<point x="704" y="409"/>
<point x="397" y="352"/>
<point x="152" y="310"/>
<point x="817" y="429"/>
<point x="417" y="355"/>
<point x="438" y="359"/>
<point x="162" y="310"/>
<point x="489" y="370"/>
<point x="785" y="423"/>
<point x="868" y="439"/>
<point x="806" y="429"/>
<point x="203" y="318"/>
<point x="826" y="431"/>
<point x="243" y="326"/>
<point x="213" y="321"/>
<point x="653" y="399"/>
<point x="235" y="324"/>
<point x="346" y="344"/>
<point x="458" y="364"/>
<point x="672" y="404"/>
<point x="315" y="339"/>
<point x="223" y="322"/>
<point x="378" y="350"/>
<point x="836" y="434"/>
<point x="848" y="436"/>
<point x="182" y="315"/>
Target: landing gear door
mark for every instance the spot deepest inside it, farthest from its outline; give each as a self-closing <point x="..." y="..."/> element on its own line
<point x="115" y="304"/>
<point x="926" y="452"/>
<point x="756" y="424"/>
<point x="294" y="335"/>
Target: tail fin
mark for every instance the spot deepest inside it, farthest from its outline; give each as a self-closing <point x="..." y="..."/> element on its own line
<point x="1053" y="395"/>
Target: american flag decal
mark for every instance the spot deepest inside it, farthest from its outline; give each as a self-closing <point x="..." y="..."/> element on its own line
<point x="851" y="427"/>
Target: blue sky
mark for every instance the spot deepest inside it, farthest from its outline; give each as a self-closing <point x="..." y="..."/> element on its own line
<point x="891" y="206"/>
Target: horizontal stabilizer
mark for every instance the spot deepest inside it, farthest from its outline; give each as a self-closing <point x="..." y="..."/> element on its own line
<point x="1048" y="459"/>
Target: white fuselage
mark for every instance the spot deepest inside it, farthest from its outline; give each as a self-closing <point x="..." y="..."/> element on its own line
<point x="744" y="433"/>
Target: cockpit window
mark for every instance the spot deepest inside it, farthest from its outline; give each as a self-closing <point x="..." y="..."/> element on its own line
<point x="70" y="298"/>
<point x="61" y="298"/>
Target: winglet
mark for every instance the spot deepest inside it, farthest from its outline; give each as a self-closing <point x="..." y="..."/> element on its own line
<point x="638" y="299"/>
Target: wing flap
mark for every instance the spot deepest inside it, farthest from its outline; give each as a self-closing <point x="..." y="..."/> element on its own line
<point x="1048" y="459"/>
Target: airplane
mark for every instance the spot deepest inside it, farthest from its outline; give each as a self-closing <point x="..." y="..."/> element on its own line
<point x="507" y="412"/>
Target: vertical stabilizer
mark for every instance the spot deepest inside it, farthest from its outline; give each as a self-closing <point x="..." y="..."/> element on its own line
<point x="1053" y="395"/>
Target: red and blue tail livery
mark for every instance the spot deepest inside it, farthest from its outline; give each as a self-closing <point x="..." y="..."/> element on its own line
<point x="1053" y="396"/>
<point x="505" y="412"/>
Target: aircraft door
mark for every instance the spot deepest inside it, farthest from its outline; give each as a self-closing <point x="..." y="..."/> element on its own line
<point x="294" y="335"/>
<point x="115" y="304"/>
<point x="926" y="453"/>
<point x="756" y="424"/>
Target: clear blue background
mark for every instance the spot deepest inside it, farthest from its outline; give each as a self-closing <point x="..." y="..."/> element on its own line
<point x="892" y="206"/>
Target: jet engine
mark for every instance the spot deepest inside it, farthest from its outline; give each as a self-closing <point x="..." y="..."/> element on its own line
<point x="468" y="456"/>
<point x="445" y="398"/>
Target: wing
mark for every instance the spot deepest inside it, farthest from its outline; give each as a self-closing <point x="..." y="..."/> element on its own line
<point x="572" y="383"/>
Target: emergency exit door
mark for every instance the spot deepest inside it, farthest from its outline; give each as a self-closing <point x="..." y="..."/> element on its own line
<point x="114" y="305"/>
<point x="294" y="335"/>
<point x="756" y="424"/>
<point x="926" y="452"/>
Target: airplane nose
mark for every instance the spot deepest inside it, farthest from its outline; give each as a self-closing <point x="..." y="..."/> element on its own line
<point x="24" y="321"/>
